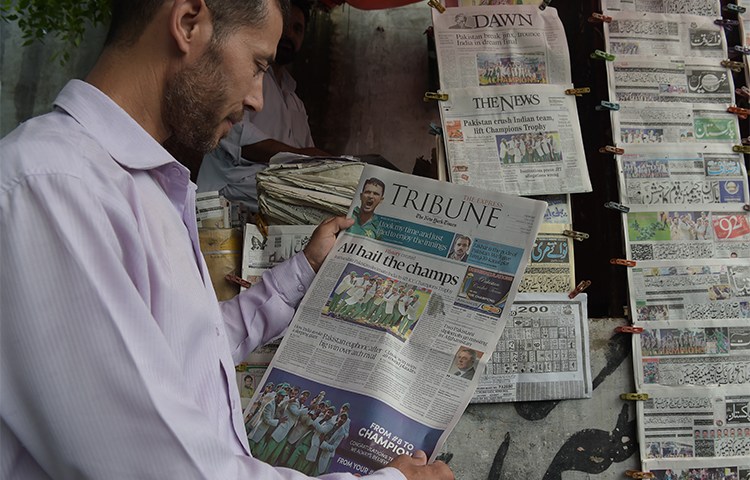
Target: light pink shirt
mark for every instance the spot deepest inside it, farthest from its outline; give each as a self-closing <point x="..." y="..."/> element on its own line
<point x="116" y="360"/>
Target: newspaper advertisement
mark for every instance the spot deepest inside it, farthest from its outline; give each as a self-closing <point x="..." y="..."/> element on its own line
<point x="551" y="267"/>
<point x="693" y="422"/>
<point x="682" y="176"/>
<point x="706" y="353"/>
<point x="639" y="78"/>
<point x="500" y="45"/>
<point x="380" y="358"/>
<point x="632" y="33"/>
<point x="707" y="8"/>
<point x="261" y="252"/>
<point x="659" y="124"/>
<point x="680" y="233"/>
<point x="558" y="209"/>
<point x="543" y="353"/>
<point x="690" y="290"/>
<point x="522" y="139"/>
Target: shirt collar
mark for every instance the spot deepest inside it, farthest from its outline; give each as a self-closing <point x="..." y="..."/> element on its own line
<point x="126" y="141"/>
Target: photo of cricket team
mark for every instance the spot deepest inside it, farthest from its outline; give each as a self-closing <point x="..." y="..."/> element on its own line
<point x="377" y="301"/>
<point x="501" y="69"/>
<point x="529" y="148"/>
<point x="316" y="429"/>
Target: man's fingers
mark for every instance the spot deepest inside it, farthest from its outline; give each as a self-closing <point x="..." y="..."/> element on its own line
<point x="420" y="456"/>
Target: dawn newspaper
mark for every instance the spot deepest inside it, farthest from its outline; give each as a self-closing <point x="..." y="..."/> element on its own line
<point x="387" y="346"/>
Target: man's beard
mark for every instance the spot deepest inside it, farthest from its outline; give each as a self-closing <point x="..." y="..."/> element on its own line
<point x="191" y="98"/>
<point x="285" y="53"/>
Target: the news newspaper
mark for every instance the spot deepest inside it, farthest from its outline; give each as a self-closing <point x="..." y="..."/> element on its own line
<point x="387" y="346"/>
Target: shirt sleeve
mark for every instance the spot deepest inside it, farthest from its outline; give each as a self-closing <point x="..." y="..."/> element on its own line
<point x="89" y="388"/>
<point x="262" y="312"/>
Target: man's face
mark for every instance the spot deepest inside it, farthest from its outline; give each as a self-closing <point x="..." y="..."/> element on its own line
<point x="291" y="40"/>
<point x="462" y="246"/>
<point x="207" y="96"/>
<point x="328" y="414"/>
<point x="248" y="382"/>
<point x="463" y="361"/>
<point x="370" y="197"/>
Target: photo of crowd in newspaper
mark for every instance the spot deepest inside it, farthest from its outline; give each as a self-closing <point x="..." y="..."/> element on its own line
<point x="317" y="429"/>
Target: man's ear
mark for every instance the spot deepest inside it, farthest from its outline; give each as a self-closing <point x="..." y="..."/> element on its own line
<point x="190" y="25"/>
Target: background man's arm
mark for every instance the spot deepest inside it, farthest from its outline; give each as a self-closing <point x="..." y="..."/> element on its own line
<point x="265" y="149"/>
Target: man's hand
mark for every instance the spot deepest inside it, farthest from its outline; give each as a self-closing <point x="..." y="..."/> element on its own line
<point x="416" y="468"/>
<point x="323" y="238"/>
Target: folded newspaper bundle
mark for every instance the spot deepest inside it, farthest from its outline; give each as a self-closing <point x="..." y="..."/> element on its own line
<point x="307" y="193"/>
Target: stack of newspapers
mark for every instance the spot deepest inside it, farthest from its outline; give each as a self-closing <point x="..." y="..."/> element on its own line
<point x="307" y="193"/>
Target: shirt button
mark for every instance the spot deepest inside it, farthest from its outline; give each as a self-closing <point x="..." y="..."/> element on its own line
<point x="300" y="288"/>
<point x="218" y="333"/>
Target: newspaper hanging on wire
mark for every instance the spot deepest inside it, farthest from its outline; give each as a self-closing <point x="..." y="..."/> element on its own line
<point x="500" y="45"/>
<point x="382" y="354"/>
<point x="520" y="139"/>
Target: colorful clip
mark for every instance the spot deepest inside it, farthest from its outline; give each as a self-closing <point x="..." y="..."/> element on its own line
<point x="435" y="96"/>
<point x="741" y="113"/>
<point x="262" y="224"/>
<point x="580" y="236"/>
<point x="638" y="475"/>
<point x="746" y="207"/>
<point x="726" y="23"/>
<point x="617" y="206"/>
<point x="605" y="105"/>
<point x="436" y="5"/>
<point x="578" y="91"/>
<point x="602" y="55"/>
<point x="741" y="149"/>
<point x="435" y="130"/>
<point x="623" y="262"/>
<point x="599" y="18"/>
<point x="629" y="329"/>
<point x="743" y="91"/>
<point x="742" y="49"/>
<point x="612" y="150"/>
<point x="582" y="285"/>
<point x="732" y="65"/>
<point x="544" y="4"/>
<point x="731" y="7"/>
<point x="634" y="396"/>
<point x="239" y="281"/>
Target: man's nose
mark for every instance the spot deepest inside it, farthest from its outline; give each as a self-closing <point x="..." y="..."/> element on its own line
<point x="254" y="99"/>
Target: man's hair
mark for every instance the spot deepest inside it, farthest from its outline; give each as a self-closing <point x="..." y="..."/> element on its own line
<point x="471" y="352"/>
<point x="374" y="181"/>
<point x="130" y="17"/>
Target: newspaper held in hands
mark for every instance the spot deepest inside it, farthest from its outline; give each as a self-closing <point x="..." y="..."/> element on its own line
<point x="381" y="358"/>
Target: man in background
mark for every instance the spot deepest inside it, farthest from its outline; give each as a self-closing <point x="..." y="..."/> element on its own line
<point x="280" y="127"/>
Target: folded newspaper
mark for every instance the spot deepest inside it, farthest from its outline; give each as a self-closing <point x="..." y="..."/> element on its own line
<point x="307" y="193"/>
<point x="382" y="354"/>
